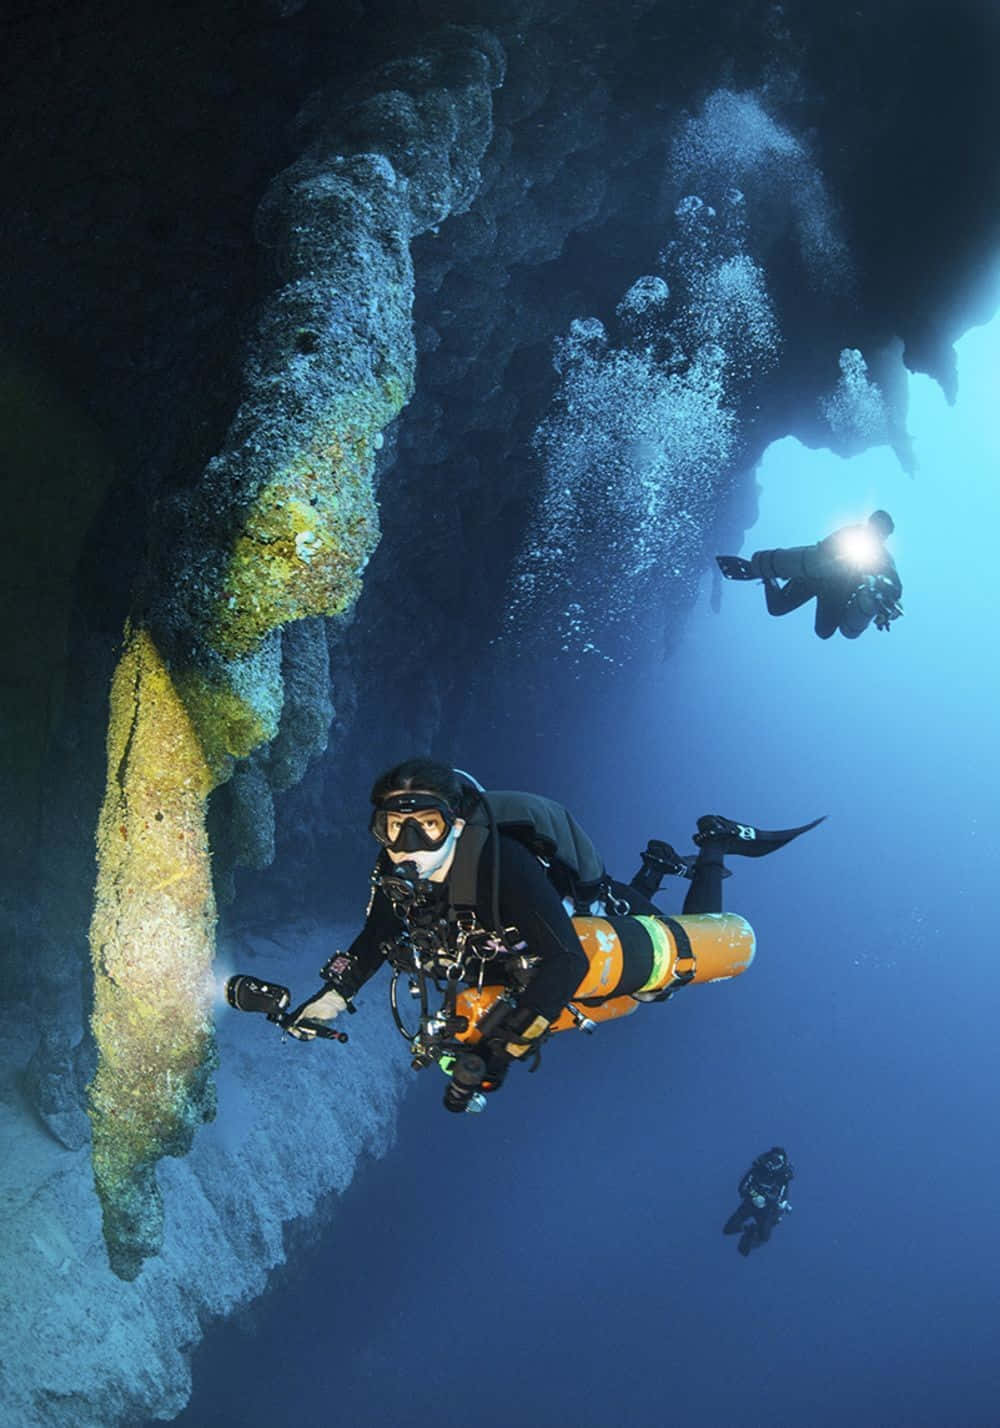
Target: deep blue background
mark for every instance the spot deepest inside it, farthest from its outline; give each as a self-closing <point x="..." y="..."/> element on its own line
<point x="559" y="1260"/>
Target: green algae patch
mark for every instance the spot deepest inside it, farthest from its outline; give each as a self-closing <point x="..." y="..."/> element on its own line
<point x="152" y="940"/>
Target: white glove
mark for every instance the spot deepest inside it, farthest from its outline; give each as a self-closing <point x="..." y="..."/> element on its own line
<point x="784" y="1206"/>
<point x="758" y="1201"/>
<point x="324" y="1006"/>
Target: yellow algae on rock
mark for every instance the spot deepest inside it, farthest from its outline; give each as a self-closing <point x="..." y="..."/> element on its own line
<point x="233" y="709"/>
<point x="152" y="940"/>
<point x="278" y="529"/>
<point x="305" y="540"/>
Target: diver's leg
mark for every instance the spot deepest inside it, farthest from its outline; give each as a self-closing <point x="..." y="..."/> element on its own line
<point x="783" y="598"/>
<point x="796" y="562"/>
<point x="705" y="892"/>
<point x="748" y="1240"/>
<point x="734" y="1225"/>
<point x="658" y="860"/>
<point x="766" y="1221"/>
<point x="829" y="613"/>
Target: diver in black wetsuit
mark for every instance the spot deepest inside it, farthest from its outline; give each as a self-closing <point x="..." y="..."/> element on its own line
<point x="850" y="574"/>
<point x="763" y="1191"/>
<point x="437" y="885"/>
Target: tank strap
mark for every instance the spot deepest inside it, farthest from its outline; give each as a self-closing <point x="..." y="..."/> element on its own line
<point x="685" y="953"/>
<point x="668" y="955"/>
<point x="662" y="950"/>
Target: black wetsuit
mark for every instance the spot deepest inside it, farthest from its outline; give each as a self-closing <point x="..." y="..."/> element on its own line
<point x="845" y="599"/>
<point x="754" y="1223"/>
<point x="528" y="900"/>
<point x="531" y="900"/>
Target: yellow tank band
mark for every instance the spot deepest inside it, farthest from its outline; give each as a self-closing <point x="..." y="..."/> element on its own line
<point x="663" y="954"/>
<point x="530" y="1033"/>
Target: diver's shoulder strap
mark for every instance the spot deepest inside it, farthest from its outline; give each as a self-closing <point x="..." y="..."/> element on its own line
<point x="463" y="880"/>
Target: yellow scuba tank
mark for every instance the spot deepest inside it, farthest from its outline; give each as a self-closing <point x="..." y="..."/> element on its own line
<point x="633" y="955"/>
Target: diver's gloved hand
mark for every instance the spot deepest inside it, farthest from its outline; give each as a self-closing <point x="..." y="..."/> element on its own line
<point x="759" y="1201"/>
<point x="324" y="1006"/>
<point x="784" y="1207"/>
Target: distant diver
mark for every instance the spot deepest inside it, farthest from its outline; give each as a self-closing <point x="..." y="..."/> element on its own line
<point x="851" y="575"/>
<point x="763" y="1195"/>
<point x="495" y="910"/>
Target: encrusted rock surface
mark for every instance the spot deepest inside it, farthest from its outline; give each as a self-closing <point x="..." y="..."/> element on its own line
<point x="83" y="1349"/>
<point x="278" y="529"/>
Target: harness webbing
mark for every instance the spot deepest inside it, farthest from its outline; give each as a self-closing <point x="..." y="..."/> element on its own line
<point x="685" y="952"/>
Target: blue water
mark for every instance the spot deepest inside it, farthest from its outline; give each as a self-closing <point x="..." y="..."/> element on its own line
<point x="559" y="1259"/>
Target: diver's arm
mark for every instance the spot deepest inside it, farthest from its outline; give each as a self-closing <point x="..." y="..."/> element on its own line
<point x="530" y="902"/>
<point x="348" y="971"/>
<point x="345" y="972"/>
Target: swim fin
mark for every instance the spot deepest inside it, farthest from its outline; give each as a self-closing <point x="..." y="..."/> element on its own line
<point x="664" y="858"/>
<point x="743" y="838"/>
<point x="734" y="567"/>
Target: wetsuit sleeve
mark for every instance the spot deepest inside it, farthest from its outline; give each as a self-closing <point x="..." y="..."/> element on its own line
<point x="529" y="902"/>
<point x="365" y="955"/>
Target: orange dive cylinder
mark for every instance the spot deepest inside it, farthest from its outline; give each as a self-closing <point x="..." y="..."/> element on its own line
<point x="630" y="955"/>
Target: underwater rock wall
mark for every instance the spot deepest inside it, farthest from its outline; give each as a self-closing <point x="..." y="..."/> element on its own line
<point x="278" y="530"/>
<point x="83" y="1349"/>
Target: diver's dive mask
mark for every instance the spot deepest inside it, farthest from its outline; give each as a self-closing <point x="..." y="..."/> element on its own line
<point x="412" y="822"/>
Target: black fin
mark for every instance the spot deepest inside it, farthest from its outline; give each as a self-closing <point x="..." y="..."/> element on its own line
<point x="734" y="567"/>
<point x="744" y="838"/>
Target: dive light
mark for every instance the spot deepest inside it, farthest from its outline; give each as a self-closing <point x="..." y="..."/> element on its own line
<point x="463" y="1093"/>
<point x="249" y="994"/>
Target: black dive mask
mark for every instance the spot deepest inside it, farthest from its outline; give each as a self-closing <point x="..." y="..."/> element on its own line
<point x="412" y="822"/>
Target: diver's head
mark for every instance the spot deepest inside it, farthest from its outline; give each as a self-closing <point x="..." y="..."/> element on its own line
<point x="882" y="524"/>
<point x="776" y="1159"/>
<point x="417" y="816"/>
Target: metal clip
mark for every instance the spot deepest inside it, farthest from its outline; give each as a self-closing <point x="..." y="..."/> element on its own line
<point x="583" y="1023"/>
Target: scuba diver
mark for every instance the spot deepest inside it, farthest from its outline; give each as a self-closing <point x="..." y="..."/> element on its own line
<point x="851" y="575"/>
<point x="500" y="902"/>
<point x="762" y="1194"/>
